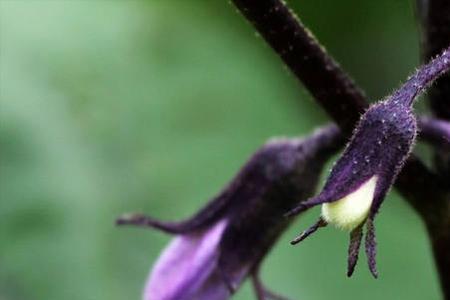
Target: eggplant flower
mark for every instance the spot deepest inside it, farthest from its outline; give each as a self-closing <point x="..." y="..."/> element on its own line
<point x="375" y="154"/>
<point x="225" y="242"/>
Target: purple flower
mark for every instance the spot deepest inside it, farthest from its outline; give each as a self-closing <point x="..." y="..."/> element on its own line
<point x="361" y="178"/>
<point x="363" y="175"/>
<point x="226" y="241"/>
<point x="187" y="268"/>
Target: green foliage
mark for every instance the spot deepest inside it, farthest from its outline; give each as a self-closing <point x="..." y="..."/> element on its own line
<point x="109" y="106"/>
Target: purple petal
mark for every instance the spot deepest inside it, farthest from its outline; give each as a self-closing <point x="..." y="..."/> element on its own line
<point x="187" y="268"/>
<point x="223" y="243"/>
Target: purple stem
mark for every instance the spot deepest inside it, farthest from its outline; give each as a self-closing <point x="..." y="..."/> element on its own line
<point x="435" y="131"/>
<point x="422" y="78"/>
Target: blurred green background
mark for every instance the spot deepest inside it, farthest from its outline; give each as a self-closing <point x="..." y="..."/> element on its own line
<point x="116" y="106"/>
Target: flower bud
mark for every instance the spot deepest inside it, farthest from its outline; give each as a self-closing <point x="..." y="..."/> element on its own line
<point x="366" y="170"/>
<point x="379" y="147"/>
<point x="360" y="179"/>
<point x="226" y="241"/>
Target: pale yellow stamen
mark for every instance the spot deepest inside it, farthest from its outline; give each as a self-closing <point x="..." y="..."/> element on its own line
<point x="350" y="211"/>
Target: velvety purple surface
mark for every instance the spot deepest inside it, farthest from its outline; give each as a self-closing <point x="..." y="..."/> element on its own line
<point x="379" y="146"/>
<point x="226" y="241"/>
<point x="184" y="268"/>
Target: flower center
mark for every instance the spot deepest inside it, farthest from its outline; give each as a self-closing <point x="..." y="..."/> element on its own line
<point x="350" y="211"/>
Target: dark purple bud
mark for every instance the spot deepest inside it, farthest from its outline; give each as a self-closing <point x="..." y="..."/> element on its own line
<point x="225" y="242"/>
<point x="361" y="178"/>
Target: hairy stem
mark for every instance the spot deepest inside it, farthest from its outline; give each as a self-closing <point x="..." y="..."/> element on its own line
<point x="427" y="74"/>
<point x="307" y="59"/>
